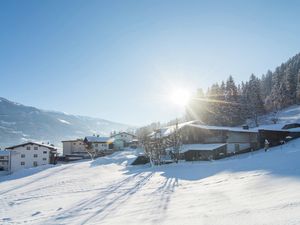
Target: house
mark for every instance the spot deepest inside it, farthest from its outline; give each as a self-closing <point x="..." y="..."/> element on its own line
<point x="124" y="139"/>
<point x="74" y="148"/>
<point x="291" y="125"/>
<point x="101" y="145"/>
<point x="4" y="160"/>
<point x="193" y="152"/>
<point x="276" y="134"/>
<point x="237" y="140"/>
<point x="30" y="154"/>
<point x="134" y="143"/>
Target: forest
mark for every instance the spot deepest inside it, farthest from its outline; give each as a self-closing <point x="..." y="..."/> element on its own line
<point x="230" y="104"/>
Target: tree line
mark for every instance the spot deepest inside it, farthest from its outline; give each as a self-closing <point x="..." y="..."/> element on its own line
<point x="229" y="104"/>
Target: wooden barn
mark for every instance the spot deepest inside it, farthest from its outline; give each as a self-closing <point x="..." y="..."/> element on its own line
<point x="237" y="140"/>
<point x="278" y="136"/>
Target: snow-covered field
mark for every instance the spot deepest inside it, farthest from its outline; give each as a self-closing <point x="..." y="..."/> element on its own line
<point x="255" y="188"/>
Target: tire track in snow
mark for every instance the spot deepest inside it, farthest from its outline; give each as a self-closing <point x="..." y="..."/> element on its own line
<point x="115" y="203"/>
<point x="40" y="177"/>
<point x="103" y="200"/>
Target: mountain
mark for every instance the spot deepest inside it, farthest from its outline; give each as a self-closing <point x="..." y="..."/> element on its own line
<point x="19" y="123"/>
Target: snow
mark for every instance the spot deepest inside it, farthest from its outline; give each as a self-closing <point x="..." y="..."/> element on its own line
<point x="208" y="147"/>
<point x="237" y="129"/>
<point x="284" y="116"/>
<point x="64" y="121"/>
<point x="4" y="153"/>
<point x="32" y="142"/>
<point x="253" y="188"/>
<point x="97" y="139"/>
<point x="166" y="131"/>
<point x="7" y="123"/>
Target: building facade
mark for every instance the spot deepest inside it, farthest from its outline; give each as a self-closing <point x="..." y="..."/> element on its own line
<point x="74" y="147"/>
<point x="123" y="139"/>
<point x="237" y="140"/>
<point x="30" y="155"/>
<point x="100" y="145"/>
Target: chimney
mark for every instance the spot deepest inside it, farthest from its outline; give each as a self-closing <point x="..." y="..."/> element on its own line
<point x="245" y="127"/>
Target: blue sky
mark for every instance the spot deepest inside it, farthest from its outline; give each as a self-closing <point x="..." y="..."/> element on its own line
<point x="118" y="59"/>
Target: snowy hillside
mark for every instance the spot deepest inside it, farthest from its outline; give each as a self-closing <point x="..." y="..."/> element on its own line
<point x="287" y="115"/>
<point x="254" y="188"/>
<point x="19" y="123"/>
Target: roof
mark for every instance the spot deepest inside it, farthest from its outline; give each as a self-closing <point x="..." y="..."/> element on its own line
<point x="97" y="139"/>
<point x="233" y="129"/>
<point x="291" y="125"/>
<point x="199" y="147"/>
<point x="280" y="127"/>
<point x="4" y="153"/>
<point x="123" y="133"/>
<point x="72" y="140"/>
<point x="166" y="131"/>
<point x="32" y="143"/>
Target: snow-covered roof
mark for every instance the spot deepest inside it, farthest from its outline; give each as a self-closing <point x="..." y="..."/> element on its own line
<point x="4" y="153"/>
<point x="123" y="133"/>
<point x="233" y="129"/>
<point x="276" y="127"/>
<point x="72" y="140"/>
<point x="33" y="143"/>
<point x="166" y="131"/>
<point x="97" y="139"/>
<point x="200" y="147"/>
<point x="297" y="129"/>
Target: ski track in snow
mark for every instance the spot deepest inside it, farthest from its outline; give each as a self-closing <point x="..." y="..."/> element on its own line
<point x="254" y="188"/>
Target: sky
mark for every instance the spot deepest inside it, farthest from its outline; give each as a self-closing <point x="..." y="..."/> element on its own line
<point x="119" y="60"/>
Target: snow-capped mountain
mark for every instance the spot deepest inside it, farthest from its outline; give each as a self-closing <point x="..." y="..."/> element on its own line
<point x="19" y="123"/>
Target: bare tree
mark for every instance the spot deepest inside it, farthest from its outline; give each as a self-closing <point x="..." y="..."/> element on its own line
<point x="90" y="150"/>
<point x="174" y="141"/>
<point x="156" y="145"/>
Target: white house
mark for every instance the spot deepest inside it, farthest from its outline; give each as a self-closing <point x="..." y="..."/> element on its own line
<point x="4" y="160"/>
<point x="74" y="147"/>
<point x="29" y="155"/>
<point x="123" y="139"/>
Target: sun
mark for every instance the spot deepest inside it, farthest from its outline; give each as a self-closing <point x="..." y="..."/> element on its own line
<point x="179" y="96"/>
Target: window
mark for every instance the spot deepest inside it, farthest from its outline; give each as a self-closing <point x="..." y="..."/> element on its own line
<point x="22" y="163"/>
<point x="35" y="155"/>
<point x="35" y="163"/>
<point x="44" y="159"/>
<point x="96" y="145"/>
<point x="36" y="148"/>
<point x="1" y="157"/>
<point x="74" y="143"/>
<point x="28" y="148"/>
<point x="44" y="152"/>
<point x="22" y="155"/>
